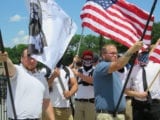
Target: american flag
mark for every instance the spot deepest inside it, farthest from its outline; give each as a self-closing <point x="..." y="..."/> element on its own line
<point x="117" y="20"/>
<point x="155" y="54"/>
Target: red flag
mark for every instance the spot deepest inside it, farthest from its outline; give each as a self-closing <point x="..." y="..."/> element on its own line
<point x="117" y="20"/>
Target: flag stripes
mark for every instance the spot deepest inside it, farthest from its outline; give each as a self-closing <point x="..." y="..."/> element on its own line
<point x="155" y="54"/>
<point x="122" y="21"/>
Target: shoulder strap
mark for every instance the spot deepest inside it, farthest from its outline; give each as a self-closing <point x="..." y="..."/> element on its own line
<point x="91" y="73"/>
<point x="68" y="75"/>
<point x="67" y="71"/>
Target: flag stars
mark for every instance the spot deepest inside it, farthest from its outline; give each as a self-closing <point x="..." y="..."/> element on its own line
<point x="104" y="3"/>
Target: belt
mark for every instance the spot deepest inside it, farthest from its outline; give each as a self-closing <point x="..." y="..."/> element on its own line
<point x="86" y="100"/>
<point x="110" y="112"/>
<point x="64" y="108"/>
<point x="146" y="102"/>
<point x="155" y="100"/>
<point x="128" y="97"/>
<point x="25" y="119"/>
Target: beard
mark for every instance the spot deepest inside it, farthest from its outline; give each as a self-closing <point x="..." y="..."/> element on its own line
<point x="31" y="68"/>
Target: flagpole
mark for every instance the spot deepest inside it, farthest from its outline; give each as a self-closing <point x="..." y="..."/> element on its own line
<point x="134" y="57"/>
<point x="80" y="41"/>
<point x="8" y="80"/>
<point x="152" y="81"/>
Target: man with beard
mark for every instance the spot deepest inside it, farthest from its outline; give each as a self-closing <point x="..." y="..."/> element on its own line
<point x="29" y="87"/>
<point x="84" y="98"/>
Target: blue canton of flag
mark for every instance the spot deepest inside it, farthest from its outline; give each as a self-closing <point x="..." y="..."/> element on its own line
<point x="104" y="3"/>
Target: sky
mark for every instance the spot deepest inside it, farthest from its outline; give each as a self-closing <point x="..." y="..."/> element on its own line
<point x="14" y="17"/>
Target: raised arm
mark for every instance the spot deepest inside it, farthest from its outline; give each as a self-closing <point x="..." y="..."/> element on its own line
<point x="11" y="68"/>
<point x="122" y="61"/>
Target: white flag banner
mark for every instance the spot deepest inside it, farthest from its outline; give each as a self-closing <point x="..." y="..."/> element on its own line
<point x="57" y="31"/>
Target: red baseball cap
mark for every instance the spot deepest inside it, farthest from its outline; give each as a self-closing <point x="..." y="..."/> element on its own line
<point x="87" y="53"/>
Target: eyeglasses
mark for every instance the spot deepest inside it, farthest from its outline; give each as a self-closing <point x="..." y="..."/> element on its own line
<point x="112" y="53"/>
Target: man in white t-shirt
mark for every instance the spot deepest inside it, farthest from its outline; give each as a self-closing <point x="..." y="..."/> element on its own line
<point x="146" y="103"/>
<point x="63" y="85"/>
<point x="29" y="88"/>
<point x="84" y="97"/>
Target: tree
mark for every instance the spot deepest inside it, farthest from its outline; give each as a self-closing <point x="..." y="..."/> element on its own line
<point x="91" y="42"/>
<point x="15" y="52"/>
<point x="155" y="32"/>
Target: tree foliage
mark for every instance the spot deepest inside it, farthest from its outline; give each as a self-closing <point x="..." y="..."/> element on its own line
<point x="80" y="43"/>
<point x="15" y="52"/>
<point x="155" y="32"/>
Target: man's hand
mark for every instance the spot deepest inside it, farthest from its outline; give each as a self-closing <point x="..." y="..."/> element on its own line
<point x="3" y="57"/>
<point x="56" y="73"/>
<point x="142" y="95"/>
<point x="137" y="46"/>
<point x="67" y="94"/>
<point x="11" y="68"/>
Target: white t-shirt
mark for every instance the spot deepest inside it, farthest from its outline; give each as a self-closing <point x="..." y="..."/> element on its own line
<point x="85" y="92"/>
<point x="123" y="75"/>
<point x="28" y="91"/>
<point x="136" y="83"/>
<point x="56" y="95"/>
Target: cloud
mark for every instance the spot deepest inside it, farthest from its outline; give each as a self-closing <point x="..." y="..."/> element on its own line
<point x="21" y="38"/>
<point x="16" y="18"/>
<point x="21" y="32"/>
